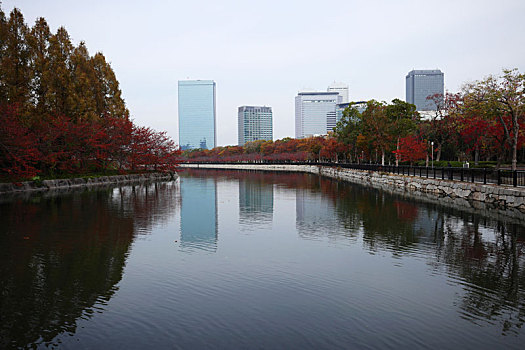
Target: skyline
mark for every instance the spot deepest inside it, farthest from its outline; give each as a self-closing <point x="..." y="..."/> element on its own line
<point x="369" y="46"/>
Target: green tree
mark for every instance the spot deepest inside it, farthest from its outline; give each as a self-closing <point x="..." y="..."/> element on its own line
<point x="253" y="146"/>
<point x="402" y="120"/>
<point x="348" y="128"/>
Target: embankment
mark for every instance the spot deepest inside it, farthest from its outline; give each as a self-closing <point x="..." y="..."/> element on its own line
<point x="494" y="199"/>
<point x="46" y="185"/>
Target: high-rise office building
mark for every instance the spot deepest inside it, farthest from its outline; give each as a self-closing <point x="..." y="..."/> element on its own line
<point x="197" y="114"/>
<point x="341" y="88"/>
<point x="340" y="107"/>
<point x="421" y="84"/>
<point x="315" y="113"/>
<point x="254" y="123"/>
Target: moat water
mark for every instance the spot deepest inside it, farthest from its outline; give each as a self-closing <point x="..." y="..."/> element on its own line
<point x="249" y="260"/>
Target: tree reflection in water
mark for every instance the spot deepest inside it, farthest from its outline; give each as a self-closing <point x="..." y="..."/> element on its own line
<point x="491" y="261"/>
<point x="51" y="274"/>
<point x="486" y="256"/>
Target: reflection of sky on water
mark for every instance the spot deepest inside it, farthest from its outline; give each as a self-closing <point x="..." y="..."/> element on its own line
<point x="255" y="203"/>
<point x="314" y="214"/>
<point x="198" y="223"/>
<point x="339" y="264"/>
<point x="318" y="214"/>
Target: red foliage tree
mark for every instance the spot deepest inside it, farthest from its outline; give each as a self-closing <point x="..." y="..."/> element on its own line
<point x="411" y="149"/>
<point x="151" y="150"/>
<point x="18" y="148"/>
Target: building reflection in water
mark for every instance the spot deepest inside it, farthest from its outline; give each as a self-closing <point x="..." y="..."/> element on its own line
<point x="315" y="215"/>
<point x="319" y="212"/>
<point x="255" y="203"/>
<point x="198" y="222"/>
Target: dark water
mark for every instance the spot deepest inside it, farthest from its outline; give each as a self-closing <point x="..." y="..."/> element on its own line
<point x="244" y="260"/>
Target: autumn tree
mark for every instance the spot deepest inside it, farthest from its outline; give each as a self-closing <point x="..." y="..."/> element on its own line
<point x="83" y="78"/>
<point x="253" y="146"/>
<point x="411" y="149"/>
<point x="19" y="154"/>
<point x="15" y="73"/>
<point x="45" y="74"/>
<point x="500" y="97"/>
<point x="61" y="110"/>
<point x="38" y="42"/>
<point x="108" y="94"/>
<point x="376" y="127"/>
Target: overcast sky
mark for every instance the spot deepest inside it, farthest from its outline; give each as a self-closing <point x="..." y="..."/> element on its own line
<point x="264" y="52"/>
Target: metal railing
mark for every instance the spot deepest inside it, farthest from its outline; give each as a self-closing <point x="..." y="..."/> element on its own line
<point x="475" y="175"/>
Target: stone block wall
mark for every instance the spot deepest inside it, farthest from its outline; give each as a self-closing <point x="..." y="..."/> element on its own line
<point x="471" y="194"/>
<point x="82" y="182"/>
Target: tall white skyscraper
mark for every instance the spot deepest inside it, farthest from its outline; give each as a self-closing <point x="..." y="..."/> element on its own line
<point x="341" y="88"/>
<point x="254" y="123"/>
<point x="197" y="114"/>
<point x="315" y="113"/>
<point x="421" y="84"/>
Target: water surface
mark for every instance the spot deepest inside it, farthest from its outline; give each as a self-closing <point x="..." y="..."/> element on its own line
<point x="230" y="259"/>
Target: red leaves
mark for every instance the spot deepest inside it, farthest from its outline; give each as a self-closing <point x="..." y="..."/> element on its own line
<point x="19" y="154"/>
<point x="59" y="145"/>
<point x="151" y="150"/>
<point x="411" y="149"/>
<point x="287" y="149"/>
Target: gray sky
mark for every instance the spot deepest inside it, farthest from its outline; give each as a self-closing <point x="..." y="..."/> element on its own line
<point x="262" y="53"/>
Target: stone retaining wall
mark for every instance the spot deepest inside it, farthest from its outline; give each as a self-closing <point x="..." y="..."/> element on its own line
<point x="82" y="182"/>
<point x="448" y="191"/>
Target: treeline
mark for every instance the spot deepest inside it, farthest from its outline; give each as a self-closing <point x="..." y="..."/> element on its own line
<point x="61" y="110"/>
<point x="287" y="149"/>
<point x="483" y="122"/>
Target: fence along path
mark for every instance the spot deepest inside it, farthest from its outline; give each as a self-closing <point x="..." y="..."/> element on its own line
<point x="514" y="178"/>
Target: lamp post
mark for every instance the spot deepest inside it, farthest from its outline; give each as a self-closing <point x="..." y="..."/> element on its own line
<point x="432" y="144"/>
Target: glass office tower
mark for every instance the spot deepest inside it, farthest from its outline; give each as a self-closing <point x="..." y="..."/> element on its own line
<point x="197" y="114"/>
<point x="254" y="123"/>
<point x="421" y="84"/>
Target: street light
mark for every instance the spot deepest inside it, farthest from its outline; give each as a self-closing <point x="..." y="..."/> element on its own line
<point x="432" y="144"/>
